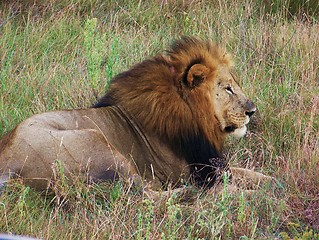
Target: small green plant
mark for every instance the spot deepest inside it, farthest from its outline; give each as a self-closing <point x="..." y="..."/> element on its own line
<point x="241" y="209"/>
<point x="173" y="219"/>
<point x="295" y="231"/>
<point x="94" y="46"/>
<point x="145" y="220"/>
<point x="22" y="202"/>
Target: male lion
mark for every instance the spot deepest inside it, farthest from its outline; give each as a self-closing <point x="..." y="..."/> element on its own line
<point x="165" y="120"/>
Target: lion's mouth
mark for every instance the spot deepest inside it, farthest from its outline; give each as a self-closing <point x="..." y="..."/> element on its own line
<point x="230" y="129"/>
<point x="237" y="130"/>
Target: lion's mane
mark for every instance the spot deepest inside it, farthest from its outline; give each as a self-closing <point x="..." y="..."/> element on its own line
<point x="157" y="94"/>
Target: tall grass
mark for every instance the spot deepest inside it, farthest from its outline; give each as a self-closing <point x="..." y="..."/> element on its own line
<point x="61" y="54"/>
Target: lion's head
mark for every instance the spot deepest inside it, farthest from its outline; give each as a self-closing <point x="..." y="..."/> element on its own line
<point x="232" y="108"/>
<point x="189" y="90"/>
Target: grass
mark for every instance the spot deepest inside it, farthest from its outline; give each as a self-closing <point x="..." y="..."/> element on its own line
<point x="61" y="54"/>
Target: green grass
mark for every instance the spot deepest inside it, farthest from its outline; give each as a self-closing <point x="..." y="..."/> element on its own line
<point x="64" y="55"/>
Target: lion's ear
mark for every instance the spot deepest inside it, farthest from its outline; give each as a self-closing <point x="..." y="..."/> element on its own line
<point x="197" y="74"/>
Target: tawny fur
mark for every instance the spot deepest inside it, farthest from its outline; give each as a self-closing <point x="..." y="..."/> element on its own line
<point x="169" y="108"/>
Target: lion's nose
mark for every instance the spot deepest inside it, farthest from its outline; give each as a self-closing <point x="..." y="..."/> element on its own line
<point x="251" y="108"/>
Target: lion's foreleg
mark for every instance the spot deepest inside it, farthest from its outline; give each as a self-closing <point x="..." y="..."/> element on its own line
<point x="250" y="176"/>
<point x="146" y="189"/>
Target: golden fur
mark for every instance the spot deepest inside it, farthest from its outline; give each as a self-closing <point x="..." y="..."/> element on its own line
<point x="164" y="74"/>
<point x="165" y="120"/>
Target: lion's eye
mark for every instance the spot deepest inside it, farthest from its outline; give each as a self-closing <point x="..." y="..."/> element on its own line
<point x="229" y="90"/>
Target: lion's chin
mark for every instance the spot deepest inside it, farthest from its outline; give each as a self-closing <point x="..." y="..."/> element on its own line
<point x="239" y="132"/>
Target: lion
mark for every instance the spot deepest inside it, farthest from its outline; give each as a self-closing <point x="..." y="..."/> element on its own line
<point x="164" y="120"/>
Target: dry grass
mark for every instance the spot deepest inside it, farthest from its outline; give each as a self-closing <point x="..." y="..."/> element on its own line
<point x="57" y="55"/>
